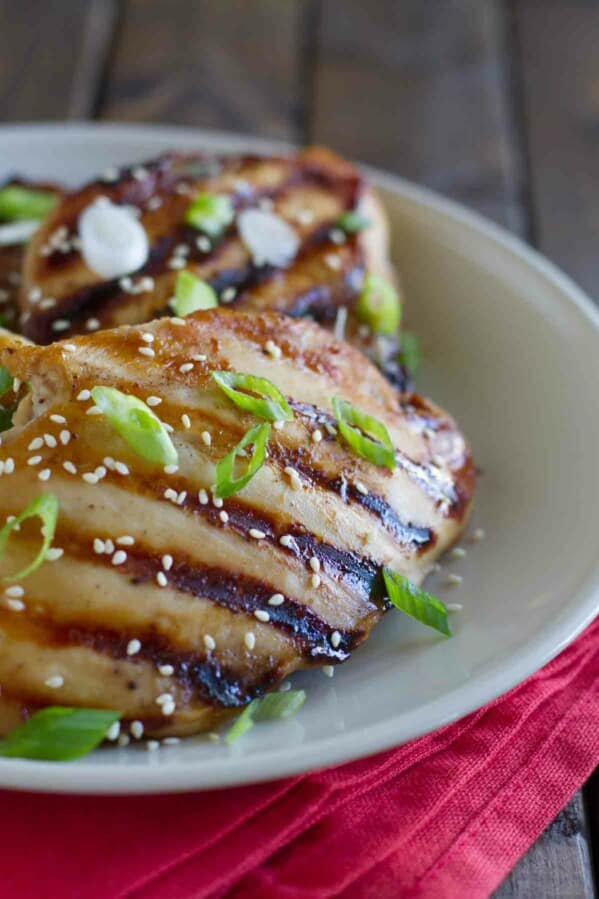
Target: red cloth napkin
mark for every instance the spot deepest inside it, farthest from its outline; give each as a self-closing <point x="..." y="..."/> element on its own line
<point x="445" y="816"/>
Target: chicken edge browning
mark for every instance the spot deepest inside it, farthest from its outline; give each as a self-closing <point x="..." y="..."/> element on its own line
<point x="159" y="585"/>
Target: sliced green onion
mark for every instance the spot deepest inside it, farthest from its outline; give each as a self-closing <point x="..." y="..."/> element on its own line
<point x="252" y="394"/>
<point x="416" y="603"/>
<point x="44" y="506"/>
<point x="367" y="436"/>
<point x="378" y="305"/>
<point x="6" y="380"/>
<point x="210" y="213"/>
<point x="22" y="203"/>
<point x="410" y="351"/>
<point x="191" y="294"/>
<point x="268" y="708"/>
<point x="58" y="734"/>
<point x="351" y="222"/>
<point x="137" y="424"/>
<point x="6" y="414"/>
<point x="226" y="482"/>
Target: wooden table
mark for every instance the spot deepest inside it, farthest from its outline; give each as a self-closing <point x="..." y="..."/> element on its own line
<point x="495" y="103"/>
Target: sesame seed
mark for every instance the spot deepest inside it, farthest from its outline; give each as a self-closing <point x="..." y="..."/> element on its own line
<point x="69" y="347"/>
<point x="186" y="421"/>
<point x="170" y="494"/>
<point x="99" y="546"/>
<point x="34" y="460"/>
<point x="203" y="497"/>
<point x="61" y="324"/>
<point x="55" y="681"/>
<point x="9" y="466"/>
<point x="15" y="590"/>
<point x="256" y="534"/>
<point x="176" y="262"/>
<point x="223" y="516"/>
<point x="166" y="670"/>
<point x="199" y="357"/>
<point x="171" y="741"/>
<point x="90" y="478"/>
<point x="65" y="437"/>
<point x="361" y="488"/>
<point x="94" y="410"/>
<point x="168" y="707"/>
<point x="477" y="535"/>
<point x="147" y="337"/>
<point x="314" y="564"/>
<point x="92" y="324"/>
<point x="161" y="579"/>
<point x="133" y="647"/>
<point x="153" y="401"/>
<point x="276" y="599"/>
<point x="457" y="553"/>
<point x="123" y="740"/>
<point x="152" y="745"/>
<point x="272" y="349"/>
<point x="337" y="235"/>
<point x="113" y="731"/>
<point x="317" y="435"/>
<point x="108" y="547"/>
<point x="36" y="443"/>
<point x="54" y="553"/>
<point x="333" y="262"/>
<point x="68" y="466"/>
<point x="146" y="351"/>
<point x="262" y="615"/>
<point x="452" y="580"/>
<point x="203" y="244"/>
<point x="44" y="474"/>
<point x="217" y="501"/>
<point x="119" y="557"/>
<point x="328" y="670"/>
<point x="136" y="729"/>
<point x="209" y="642"/>
<point x="187" y="366"/>
<point x="249" y="639"/>
<point x="181" y="497"/>
<point x="315" y="581"/>
<point x="83" y="395"/>
<point x="167" y="427"/>
<point x="175" y="320"/>
<point x="125" y="540"/>
<point x="121" y="468"/>
<point x="228" y="295"/>
<point x="335" y="639"/>
<point x="213" y="737"/>
<point x="49" y="440"/>
<point x="207" y="438"/>
<point x="286" y="540"/>
<point x="59" y="419"/>
<point x="171" y="469"/>
<point x="454" y="607"/>
<point x="164" y="697"/>
<point x="278" y="425"/>
<point x="15" y="605"/>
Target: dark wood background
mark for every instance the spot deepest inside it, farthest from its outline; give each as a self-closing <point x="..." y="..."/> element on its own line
<point x="493" y="102"/>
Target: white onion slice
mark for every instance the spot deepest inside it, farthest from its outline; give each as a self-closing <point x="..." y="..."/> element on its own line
<point x="17" y="232"/>
<point x="113" y="242"/>
<point x="268" y="237"/>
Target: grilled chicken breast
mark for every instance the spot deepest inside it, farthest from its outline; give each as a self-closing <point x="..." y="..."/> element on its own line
<point x="161" y="590"/>
<point x="61" y="296"/>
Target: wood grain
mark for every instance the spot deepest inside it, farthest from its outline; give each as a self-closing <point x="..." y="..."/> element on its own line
<point x="224" y="64"/>
<point x="559" y="65"/>
<point x="52" y="57"/>
<point x="421" y="89"/>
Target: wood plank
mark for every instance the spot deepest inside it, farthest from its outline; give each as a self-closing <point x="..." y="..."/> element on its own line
<point x="421" y="89"/>
<point x="558" y="866"/>
<point x="52" y="57"/>
<point x="558" y="42"/>
<point x="224" y="64"/>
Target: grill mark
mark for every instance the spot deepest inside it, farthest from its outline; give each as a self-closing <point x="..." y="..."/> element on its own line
<point x="93" y="299"/>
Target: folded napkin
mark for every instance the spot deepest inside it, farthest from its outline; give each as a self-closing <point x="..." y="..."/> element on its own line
<point x="444" y="816"/>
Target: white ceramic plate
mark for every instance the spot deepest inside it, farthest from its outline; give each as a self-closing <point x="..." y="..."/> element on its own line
<point x="511" y="348"/>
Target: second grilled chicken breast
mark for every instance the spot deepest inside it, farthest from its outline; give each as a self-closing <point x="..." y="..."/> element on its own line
<point x="173" y="606"/>
<point x="310" y="192"/>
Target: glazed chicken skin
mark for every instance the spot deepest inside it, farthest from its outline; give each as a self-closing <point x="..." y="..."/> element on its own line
<point x="310" y="191"/>
<point x="163" y="590"/>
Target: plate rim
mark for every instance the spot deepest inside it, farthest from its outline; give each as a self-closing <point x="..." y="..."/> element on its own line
<point x="90" y="778"/>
